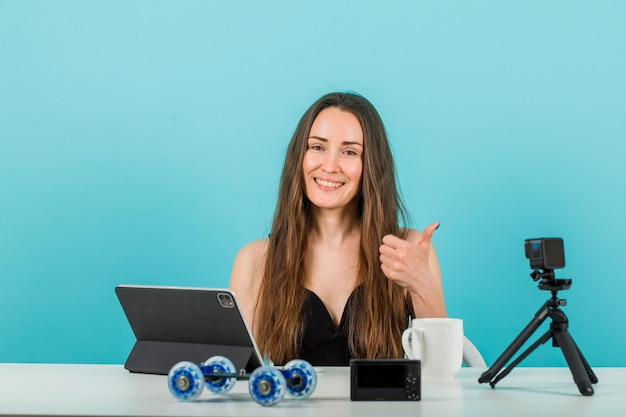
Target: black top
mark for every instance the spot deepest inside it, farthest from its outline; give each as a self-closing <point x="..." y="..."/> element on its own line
<point x="323" y="342"/>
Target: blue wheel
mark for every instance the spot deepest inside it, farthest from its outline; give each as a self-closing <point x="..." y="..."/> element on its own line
<point x="185" y="381"/>
<point x="267" y="385"/>
<point x="302" y="378"/>
<point x="219" y="364"/>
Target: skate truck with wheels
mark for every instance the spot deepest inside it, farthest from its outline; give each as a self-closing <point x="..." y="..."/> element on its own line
<point x="267" y="385"/>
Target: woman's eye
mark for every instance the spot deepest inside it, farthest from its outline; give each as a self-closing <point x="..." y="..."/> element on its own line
<point x="350" y="152"/>
<point x="317" y="147"/>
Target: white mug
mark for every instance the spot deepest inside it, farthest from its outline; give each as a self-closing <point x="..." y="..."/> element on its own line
<point x="437" y="343"/>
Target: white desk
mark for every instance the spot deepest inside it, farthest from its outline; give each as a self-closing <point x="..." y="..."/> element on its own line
<point x="34" y="389"/>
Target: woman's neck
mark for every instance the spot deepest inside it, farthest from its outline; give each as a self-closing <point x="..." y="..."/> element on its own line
<point x="334" y="227"/>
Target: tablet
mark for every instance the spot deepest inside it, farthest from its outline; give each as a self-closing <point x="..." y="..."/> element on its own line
<point x="173" y="324"/>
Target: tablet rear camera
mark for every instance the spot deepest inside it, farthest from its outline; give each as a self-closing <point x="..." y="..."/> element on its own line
<point x="225" y="300"/>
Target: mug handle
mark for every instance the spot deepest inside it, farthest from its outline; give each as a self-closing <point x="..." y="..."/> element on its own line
<point x="412" y="343"/>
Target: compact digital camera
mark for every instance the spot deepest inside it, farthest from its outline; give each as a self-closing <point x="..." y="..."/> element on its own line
<point x="385" y="380"/>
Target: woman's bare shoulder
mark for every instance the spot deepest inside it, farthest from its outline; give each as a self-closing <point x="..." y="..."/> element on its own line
<point x="248" y="265"/>
<point x="254" y="250"/>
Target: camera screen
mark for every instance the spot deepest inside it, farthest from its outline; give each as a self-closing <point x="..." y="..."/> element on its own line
<point x="554" y="253"/>
<point x="375" y="376"/>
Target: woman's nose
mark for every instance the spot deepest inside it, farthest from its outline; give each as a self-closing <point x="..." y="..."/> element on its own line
<point x="330" y="163"/>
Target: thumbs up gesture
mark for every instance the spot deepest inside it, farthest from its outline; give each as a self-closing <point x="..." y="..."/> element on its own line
<point x="412" y="263"/>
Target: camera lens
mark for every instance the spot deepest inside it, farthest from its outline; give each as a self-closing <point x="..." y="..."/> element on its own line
<point x="225" y="300"/>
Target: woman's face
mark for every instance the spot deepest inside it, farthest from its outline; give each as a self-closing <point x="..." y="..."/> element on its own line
<point x="333" y="162"/>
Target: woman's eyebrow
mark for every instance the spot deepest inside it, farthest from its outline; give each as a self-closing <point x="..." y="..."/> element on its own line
<point x="345" y="142"/>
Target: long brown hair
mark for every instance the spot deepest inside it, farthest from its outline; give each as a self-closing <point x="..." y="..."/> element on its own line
<point x="375" y="332"/>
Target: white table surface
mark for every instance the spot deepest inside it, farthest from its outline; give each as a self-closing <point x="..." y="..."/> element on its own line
<point x="58" y="389"/>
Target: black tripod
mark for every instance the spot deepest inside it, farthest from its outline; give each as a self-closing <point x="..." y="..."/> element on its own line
<point x="578" y="365"/>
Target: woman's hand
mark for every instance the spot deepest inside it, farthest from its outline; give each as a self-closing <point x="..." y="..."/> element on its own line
<point x="412" y="264"/>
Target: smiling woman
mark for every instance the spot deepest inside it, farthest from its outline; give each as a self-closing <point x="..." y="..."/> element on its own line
<point x="339" y="276"/>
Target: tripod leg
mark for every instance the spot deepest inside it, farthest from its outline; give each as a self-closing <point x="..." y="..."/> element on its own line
<point x="543" y="339"/>
<point x="574" y="361"/>
<point x="592" y="376"/>
<point x="530" y="328"/>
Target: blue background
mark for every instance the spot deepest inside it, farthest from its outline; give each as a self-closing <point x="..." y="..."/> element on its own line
<point x="141" y="142"/>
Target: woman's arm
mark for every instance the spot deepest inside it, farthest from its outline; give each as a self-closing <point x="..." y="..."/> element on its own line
<point x="246" y="276"/>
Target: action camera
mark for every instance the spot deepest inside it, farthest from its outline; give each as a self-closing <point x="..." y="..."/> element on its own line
<point x="545" y="253"/>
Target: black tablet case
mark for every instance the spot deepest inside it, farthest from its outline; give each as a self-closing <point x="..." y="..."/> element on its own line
<point x="172" y="324"/>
